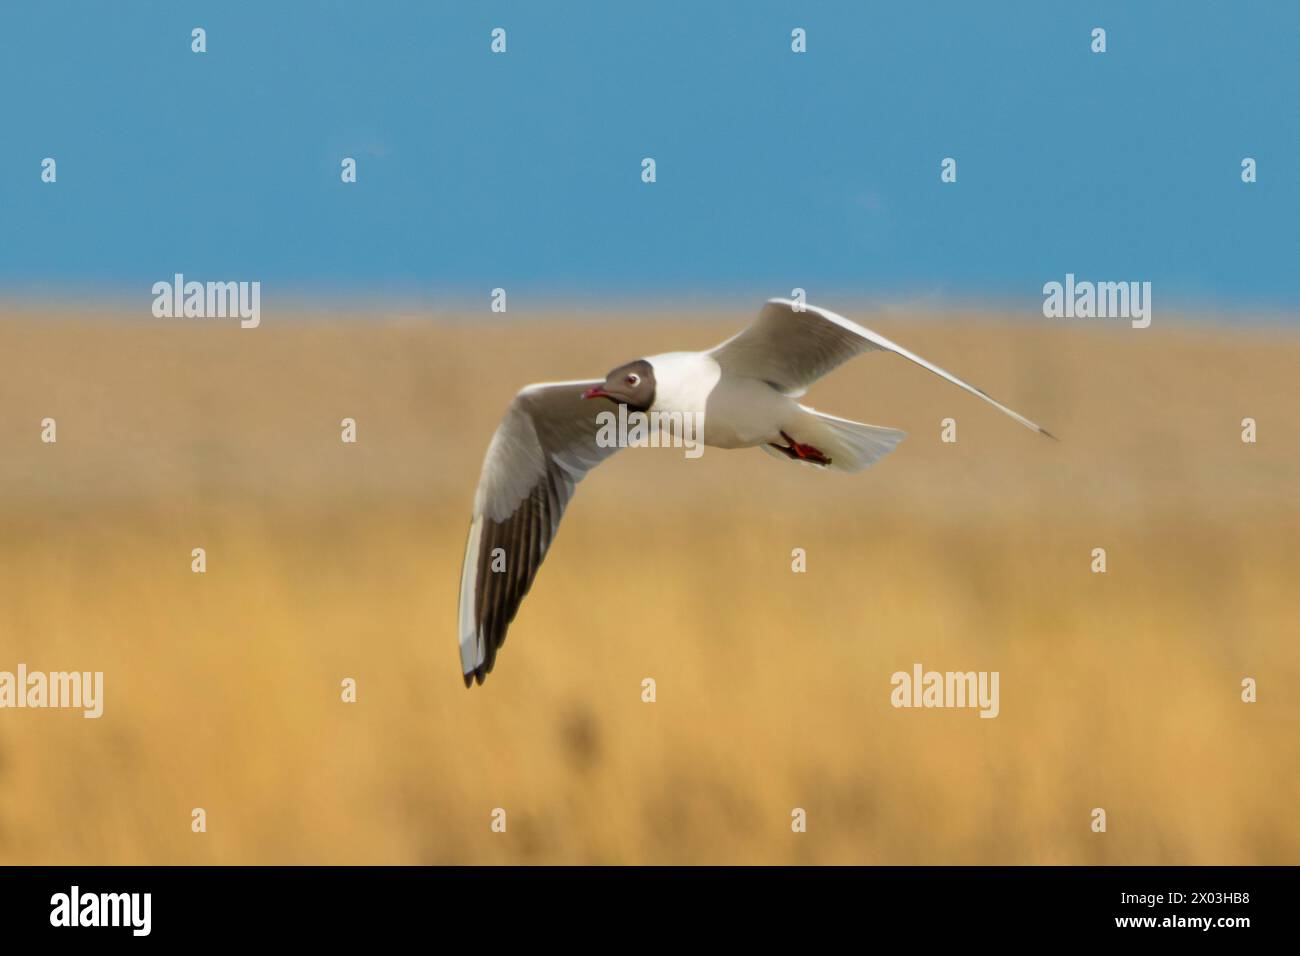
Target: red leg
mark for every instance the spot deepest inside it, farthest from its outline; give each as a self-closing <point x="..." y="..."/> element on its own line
<point x="803" y="452"/>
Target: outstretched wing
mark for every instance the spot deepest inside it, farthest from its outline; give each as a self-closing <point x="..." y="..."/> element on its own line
<point x="791" y="346"/>
<point x="543" y="447"/>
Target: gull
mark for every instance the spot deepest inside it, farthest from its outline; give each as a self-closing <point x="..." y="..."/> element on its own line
<point x="745" y="390"/>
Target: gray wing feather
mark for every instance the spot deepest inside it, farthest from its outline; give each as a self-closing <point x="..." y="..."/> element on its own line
<point x="543" y="447"/>
<point x="790" y="346"/>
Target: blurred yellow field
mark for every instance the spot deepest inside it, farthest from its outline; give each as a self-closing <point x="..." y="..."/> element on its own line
<point x="328" y="560"/>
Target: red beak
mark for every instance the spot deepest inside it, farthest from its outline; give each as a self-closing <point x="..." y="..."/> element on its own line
<point x="596" y="392"/>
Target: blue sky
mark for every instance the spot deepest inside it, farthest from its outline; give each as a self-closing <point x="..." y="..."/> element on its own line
<point x="774" y="169"/>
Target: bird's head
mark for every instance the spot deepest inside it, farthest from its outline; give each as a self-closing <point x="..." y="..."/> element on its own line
<point x="632" y="385"/>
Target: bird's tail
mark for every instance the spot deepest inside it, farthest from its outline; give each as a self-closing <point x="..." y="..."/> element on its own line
<point x="851" y="446"/>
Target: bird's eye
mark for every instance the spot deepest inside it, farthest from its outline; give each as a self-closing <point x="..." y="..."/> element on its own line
<point x="633" y="380"/>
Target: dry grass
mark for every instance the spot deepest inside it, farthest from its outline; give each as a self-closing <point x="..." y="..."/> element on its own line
<point x="327" y="561"/>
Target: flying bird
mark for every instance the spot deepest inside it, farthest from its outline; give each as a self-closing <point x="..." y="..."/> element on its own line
<point x="746" y="391"/>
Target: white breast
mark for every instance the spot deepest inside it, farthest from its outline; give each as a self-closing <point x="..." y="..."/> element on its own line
<point x="738" y="413"/>
<point x="683" y="381"/>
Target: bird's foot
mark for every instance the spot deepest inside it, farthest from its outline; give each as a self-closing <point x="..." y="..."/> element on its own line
<point x="800" y="452"/>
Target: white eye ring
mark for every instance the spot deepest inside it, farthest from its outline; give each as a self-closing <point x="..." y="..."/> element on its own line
<point x="634" y="380"/>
